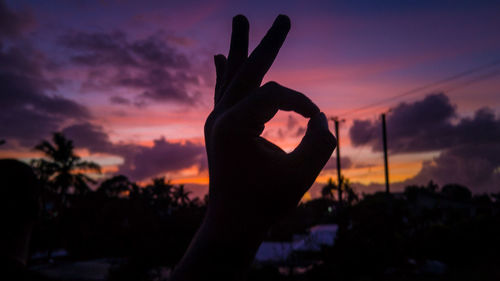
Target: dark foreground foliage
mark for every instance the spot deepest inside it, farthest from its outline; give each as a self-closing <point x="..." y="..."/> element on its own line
<point x="425" y="233"/>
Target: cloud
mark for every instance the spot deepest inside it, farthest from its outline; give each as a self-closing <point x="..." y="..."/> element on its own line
<point x="119" y="100"/>
<point x="28" y="112"/>
<point x="163" y="157"/>
<point x="87" y="135"/>
<point x="13" y="24"/>
<point x="292" y="122"/>
<point x="30" y="109"/>
<point x="362" y="165"/>
<point x="292" y="129"/>
<point x="421" y="126"/>
<point x="470" y="154"/>
<point x="345" y="163"/>
<point x="427" y="125"/>
<point x="475" y="166"/>
<point x="140" y="162"/>
<point x="153" y="67"/>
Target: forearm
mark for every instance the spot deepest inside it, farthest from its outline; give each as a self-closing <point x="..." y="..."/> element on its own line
<point x="222" y="249"/>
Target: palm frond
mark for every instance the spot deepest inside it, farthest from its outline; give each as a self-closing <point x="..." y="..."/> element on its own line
<point x="47" y="148"/>
<point x="88" y="166"/>
<point x="86" y="178"/>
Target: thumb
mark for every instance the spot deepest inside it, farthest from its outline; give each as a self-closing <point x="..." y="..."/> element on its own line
<point x="315" y="148"/>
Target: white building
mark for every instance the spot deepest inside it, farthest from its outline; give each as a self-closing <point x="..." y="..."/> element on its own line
<point x="280" y="252"/>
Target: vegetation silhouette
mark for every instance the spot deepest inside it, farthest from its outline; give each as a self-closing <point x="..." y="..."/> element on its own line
<point x="427" y="233"/>
<point x="19" y="211"/>
<point x="332" y="188"/>
<point x="118" y="186"/>
<point x="62" y="168"/>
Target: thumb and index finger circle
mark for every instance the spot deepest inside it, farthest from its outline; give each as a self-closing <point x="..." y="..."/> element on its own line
<point x="318" y="143"/>
<point x="261" y="106"/>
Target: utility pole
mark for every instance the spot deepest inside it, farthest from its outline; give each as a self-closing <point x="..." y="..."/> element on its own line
<point x="386" y="165"/>
<point x="339" y="179"/>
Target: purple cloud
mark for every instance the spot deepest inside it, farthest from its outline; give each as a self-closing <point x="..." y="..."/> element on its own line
<point x="345" y="163"/>
<point x="119" y="100"/>
<point x="140" y="162"/>
<point x="13" y="24"/>
<point x="427" y="125"/>
<point x="29" y="113"/>
<point x="163" y="157"/>
<point x="92" y="137"/>
<point x="151" y="66"/>
<point x="475" y="166"/>
<point x="470" y="154"/>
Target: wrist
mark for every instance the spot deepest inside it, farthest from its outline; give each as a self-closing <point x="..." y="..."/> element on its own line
<point x="223" y="248"/>
<point x="233" y="229"/>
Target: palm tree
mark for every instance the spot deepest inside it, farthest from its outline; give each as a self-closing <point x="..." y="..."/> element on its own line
<point x="326" y="191"/>
<point x="160" y="189"/>
<point x="158" y="195"/>
<point x="61" y="168"/>
<point x="181" y="196"/>
<point x="352" y="196"/>
<point x="58" y="171"/>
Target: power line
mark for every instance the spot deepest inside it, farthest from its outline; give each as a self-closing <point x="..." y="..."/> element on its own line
<point x="455" y="86"/>
<point x="477" y="79"/>
<point x="424" y="87"/>
<point x="464" y="84"/>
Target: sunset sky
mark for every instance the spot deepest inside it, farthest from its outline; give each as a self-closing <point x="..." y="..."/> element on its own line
<point x="131" y="82"/>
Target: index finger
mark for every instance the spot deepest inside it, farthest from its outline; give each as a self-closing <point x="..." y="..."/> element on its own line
<point x="259" y="62"/>
<point x="261" y="106"/>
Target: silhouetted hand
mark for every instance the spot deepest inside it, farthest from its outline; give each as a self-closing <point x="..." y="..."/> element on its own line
<point x="252" y="181"/>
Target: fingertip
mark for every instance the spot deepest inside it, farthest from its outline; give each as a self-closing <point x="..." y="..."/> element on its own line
<point x="240" y="21"/>
<point x="315" y="121"/>
<point x="219" y="61"/>
<point x="302" y="104"/>
<point x="317" y="145"/>
<point x="318" y="125"/>
<point x="283" y="21"/>
<point x="324" y="120"/>
<point x="219" y="58"/>
<point x="313" y="110"/>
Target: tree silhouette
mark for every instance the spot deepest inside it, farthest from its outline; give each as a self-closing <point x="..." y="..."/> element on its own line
<point x="352" y="196"/>
<point x="326" y="191"/>
<point x="181" y="196"/>
<point x="457" y="192"/>
<point x="61" y="168"/>
<point x="158" y="195"/>
<point x="160" y="189"/>
<point x="117" y="186"/>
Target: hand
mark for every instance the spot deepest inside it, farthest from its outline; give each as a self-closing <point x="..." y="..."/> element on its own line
<point x="252" y="181"/>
